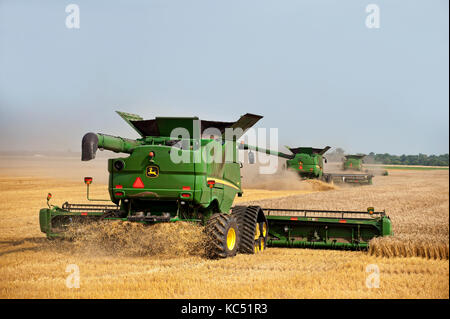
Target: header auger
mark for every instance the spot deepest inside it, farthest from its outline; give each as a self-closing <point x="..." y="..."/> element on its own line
<point x="170" y="178"/>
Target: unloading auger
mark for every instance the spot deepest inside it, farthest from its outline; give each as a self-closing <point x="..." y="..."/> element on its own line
<point x="149" y="186"/>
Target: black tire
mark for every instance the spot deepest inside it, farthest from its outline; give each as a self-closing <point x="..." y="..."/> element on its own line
<point x="246" y="219"/>
<point x="219" y="229"/>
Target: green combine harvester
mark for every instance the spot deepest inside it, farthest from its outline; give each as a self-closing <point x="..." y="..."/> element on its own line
<point x="353" y="162"/>
<point x="308" y="163"/>
<point x="171" y="178"/>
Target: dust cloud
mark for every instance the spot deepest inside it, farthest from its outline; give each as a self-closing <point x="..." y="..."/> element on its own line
<point x="282" y="180"/>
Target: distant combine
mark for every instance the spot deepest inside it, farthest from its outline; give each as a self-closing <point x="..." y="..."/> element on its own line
<point x="356" y="163"/>
<point x="308" y="162"/>
<point x="353" y="162"/>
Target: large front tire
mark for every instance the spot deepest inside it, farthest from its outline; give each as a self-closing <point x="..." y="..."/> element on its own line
<point x="222" y="235"/>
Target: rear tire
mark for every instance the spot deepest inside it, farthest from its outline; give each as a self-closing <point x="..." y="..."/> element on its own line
<point x="253" y="226"/>
<point x="246" y="218"/>
<point x="223" y="236"/>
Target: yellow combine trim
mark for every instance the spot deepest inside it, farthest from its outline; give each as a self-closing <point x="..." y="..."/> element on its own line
<point x="257" y="232"/>
<point x="256" y="247"/>
<point x="264" y="230"/>
<point x="231" y="238"/>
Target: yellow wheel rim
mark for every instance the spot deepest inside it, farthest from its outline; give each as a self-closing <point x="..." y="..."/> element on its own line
<point x="262" y="245"/>
<point x="257" y="232"/>
<point x="256" y="248"/>
<point x="231" y="238"/>
<point x="264" y="231"/>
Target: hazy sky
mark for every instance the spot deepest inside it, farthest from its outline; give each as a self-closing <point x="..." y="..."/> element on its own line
<point x="311" y="68"/>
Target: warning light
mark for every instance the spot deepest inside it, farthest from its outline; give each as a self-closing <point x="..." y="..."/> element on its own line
<point x="186" y="188"/>
<point x="88" y="180"/>
<point x="185" y="195"/>
<point x="151" y="154"/>
<point x="138" y="183"/>
<point x="119" y="186"/>
<point x="118" y="194"/>
<point x="49" y="196"/>
<point x="211" y="183"/>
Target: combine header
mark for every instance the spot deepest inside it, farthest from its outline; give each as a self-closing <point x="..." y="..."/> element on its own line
<point x="169" y="179"/>
<point x="308" y="163"/>
<point x="325" y="228"/>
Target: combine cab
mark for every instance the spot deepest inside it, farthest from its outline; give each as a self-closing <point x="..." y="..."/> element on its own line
<point x="173" y="173"/>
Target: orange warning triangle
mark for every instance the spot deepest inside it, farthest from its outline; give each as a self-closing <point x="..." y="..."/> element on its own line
<point x="138" y="183"/>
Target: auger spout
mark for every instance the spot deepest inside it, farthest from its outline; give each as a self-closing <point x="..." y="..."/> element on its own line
<point x="93" y="141"/>
<point x="266" y="151"/>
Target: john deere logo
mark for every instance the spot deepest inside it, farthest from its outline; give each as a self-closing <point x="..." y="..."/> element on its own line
<point x="152" y="171"/>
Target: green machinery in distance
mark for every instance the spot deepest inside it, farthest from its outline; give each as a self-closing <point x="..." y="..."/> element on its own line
<point x="353" y="162"/>
<point x="356" y="163"/>
<point x="166" y="177"/>
<point x="308" y="162"/>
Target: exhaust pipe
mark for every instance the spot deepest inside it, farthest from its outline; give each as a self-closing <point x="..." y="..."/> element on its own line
<point x="89" y="146"/>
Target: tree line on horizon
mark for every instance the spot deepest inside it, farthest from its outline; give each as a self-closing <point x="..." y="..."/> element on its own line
<point x="389" y="159"/>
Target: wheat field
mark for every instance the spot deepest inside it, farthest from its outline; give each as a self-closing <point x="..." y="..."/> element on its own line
<point x="118" y="260"/>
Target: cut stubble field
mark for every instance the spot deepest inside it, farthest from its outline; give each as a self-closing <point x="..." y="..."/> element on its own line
<point x="165" y="261"/>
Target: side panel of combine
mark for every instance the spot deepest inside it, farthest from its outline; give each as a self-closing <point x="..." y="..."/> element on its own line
<point x="224" y="178"/>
